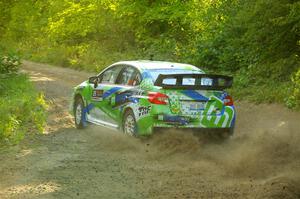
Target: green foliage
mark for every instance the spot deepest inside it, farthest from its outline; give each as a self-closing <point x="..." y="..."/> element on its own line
<point x="73" y="22"/>
<point x="294" y="100"/>
<point x="9" y="64"/>
<point x="248" y="87"/>
<point x="256" y="40"/>
<point x="22" y="109"/>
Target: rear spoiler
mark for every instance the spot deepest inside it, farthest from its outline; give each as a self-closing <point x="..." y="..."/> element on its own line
<point x="197" y="81"/>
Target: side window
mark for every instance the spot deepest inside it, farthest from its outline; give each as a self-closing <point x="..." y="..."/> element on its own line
<point x="110" y="75"/>
<point x="137" y="79"/>
<point x="129" y="76"/>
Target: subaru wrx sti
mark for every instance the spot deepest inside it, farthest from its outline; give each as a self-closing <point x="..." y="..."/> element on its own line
<point x="138" y="97"/>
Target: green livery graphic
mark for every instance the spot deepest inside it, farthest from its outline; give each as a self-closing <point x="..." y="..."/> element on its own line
<point x="138" y="97"/>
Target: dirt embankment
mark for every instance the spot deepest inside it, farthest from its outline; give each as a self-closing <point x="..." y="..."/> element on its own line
<point x="262" y="160"/>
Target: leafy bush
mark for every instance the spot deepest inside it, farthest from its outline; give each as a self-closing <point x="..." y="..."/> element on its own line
<point x="294" y="100"/>
<point x="9" y="64"/>
<point x="22" y="109"/>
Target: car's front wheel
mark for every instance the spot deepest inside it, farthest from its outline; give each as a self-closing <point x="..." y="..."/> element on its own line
<point x="129" y="123"/>
<point x="78" y="113"/>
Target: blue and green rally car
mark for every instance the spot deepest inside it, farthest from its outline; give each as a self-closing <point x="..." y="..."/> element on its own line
<point x="138" y="97"/>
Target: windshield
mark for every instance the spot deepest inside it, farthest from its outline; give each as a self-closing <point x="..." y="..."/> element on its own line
<point x="155" y="72"/>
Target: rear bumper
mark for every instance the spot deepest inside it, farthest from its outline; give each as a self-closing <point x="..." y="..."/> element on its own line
<point x="196" y="131"/>
<point x="221" y="121"/>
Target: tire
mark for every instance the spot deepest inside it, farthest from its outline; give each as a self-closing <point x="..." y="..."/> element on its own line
<point x="129" y="124"/>
<point x="78" y="111"/>
<point x="215" y="136"/>
<point x="226" y="134"/>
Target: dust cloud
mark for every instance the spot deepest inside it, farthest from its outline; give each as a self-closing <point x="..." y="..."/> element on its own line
<point x="264" y="152"/>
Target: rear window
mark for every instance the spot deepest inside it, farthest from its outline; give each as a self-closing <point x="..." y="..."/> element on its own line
<point x="170" y="81"/>
<point x="188" y="81"/>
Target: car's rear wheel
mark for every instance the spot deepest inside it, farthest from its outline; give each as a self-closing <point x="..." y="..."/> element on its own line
<point x="129" y="123"/>
<point x="217" y="136"/>
<point x="78" y="113"/>
<point x="225" y="135"/>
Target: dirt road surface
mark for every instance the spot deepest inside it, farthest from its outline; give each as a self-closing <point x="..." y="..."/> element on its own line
<point x="262" y="160"/>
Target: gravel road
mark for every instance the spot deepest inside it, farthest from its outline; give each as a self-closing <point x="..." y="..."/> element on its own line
<point x="262" y="160"/>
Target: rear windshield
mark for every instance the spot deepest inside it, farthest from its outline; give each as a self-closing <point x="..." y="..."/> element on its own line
<point x="155" y="72"/>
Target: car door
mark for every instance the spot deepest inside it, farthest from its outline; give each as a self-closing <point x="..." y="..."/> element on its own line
<point x="127" y="81"/>
<point x="101" y="97"/>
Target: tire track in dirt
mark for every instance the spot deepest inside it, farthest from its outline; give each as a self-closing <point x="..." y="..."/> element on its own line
<point x="262" y="160"/>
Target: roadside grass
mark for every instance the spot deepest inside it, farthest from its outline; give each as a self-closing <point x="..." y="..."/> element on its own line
<point x="257" y="88"/>
<point x="265" y="93"/>
<point x="22" y="109"/>
<point x="260" y="89"/>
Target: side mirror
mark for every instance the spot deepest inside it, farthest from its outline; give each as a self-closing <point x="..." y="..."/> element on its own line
<point x="94" y="80"/>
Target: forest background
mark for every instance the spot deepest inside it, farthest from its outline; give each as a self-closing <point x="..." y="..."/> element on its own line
<point x="256" y="41"/>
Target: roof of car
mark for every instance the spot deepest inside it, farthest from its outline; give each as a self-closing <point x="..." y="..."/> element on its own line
<point x="147" y="64"/>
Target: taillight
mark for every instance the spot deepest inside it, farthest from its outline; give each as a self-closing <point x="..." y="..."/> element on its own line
<point x="158" y="98"/>
<point x="228" y="101"/>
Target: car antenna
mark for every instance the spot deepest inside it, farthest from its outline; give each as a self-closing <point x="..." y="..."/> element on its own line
<point x="151" y="57"/>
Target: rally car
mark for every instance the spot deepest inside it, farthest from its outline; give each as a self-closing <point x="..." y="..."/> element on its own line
<point x="138" y="97"/>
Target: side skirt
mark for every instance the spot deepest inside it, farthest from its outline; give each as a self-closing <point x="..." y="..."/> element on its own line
<point x="101" y="123"/>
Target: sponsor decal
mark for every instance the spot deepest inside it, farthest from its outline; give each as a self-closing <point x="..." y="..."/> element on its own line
<point x="97" y="95"/>
<point x="147" y="84"/>
<point x="144" y="110"/>
<point x="174" y="102"/>
<point x="214" y="121"/>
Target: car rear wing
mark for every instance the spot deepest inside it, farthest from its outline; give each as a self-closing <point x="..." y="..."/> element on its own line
<point x="194" y="81"/>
